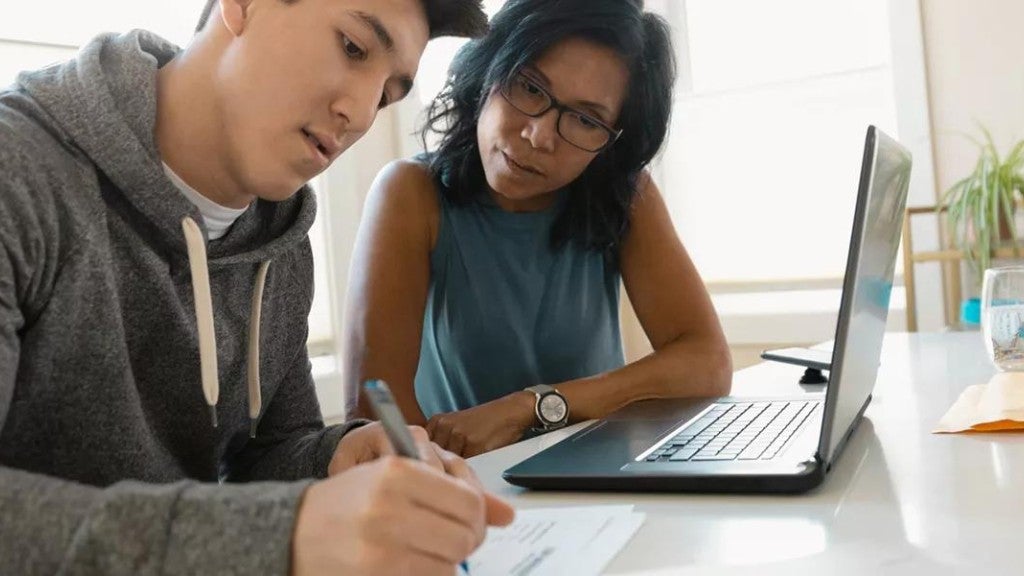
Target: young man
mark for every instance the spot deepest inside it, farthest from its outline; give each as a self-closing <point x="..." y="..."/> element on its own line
<point x="157" y="413"/>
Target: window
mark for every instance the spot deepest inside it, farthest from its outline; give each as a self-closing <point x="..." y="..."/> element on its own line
<point x="73" y="23"/>
<point x="768" y="131"/>
<point x="36" y="34"/>
<point x="761" y="167"/>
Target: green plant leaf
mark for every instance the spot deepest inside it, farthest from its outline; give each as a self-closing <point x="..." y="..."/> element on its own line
<point x="979" y="203"/>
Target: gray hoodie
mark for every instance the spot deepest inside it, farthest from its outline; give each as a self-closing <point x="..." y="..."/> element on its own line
<point x="109" y="462"/>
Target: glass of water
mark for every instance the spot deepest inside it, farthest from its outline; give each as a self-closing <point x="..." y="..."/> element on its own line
<point x="1002" y="317"/>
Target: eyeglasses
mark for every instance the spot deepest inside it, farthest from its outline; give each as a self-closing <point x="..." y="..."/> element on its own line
<point x="577" y="128"/>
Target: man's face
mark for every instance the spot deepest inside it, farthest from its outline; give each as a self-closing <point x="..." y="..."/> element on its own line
<point x="301" y="82"/>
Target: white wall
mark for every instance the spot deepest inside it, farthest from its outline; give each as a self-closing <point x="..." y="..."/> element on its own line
<point x="975" y="59"/>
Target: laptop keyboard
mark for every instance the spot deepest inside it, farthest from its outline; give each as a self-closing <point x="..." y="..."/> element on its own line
<point x="740" y="431"/>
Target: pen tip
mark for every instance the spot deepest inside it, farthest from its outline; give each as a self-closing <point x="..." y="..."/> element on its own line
<point x="213" y="415"/>
<point x="252" y="428"/>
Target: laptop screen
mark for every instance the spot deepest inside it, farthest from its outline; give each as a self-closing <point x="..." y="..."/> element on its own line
<point x="867" y="285"/>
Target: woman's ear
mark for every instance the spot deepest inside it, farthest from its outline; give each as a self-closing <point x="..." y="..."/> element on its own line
<point x="235" y="15"/>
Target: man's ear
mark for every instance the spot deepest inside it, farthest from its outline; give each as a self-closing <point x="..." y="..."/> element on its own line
<point x="235" y="15"/>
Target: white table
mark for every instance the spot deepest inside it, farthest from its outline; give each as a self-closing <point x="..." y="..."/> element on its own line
<point x="900" y="501"/>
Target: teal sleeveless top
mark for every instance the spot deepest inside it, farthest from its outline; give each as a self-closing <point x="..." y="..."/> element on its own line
<point x="506" y="311"/>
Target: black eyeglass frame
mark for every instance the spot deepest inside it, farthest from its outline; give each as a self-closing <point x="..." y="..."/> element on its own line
<point x="613" y="134"/>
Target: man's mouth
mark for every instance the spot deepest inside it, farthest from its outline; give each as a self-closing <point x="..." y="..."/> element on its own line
<point x="316" y="142"/>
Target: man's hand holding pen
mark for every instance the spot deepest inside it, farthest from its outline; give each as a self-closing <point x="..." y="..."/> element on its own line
<point x="379" y="513"/>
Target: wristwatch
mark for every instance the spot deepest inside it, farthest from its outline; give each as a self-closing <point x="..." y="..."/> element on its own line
<point x="551" y="408"/>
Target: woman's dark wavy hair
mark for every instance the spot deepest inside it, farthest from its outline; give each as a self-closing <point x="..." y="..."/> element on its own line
<point x="597" y="211"/>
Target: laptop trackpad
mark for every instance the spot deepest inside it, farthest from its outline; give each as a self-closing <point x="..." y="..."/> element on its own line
<point x="674" y="409"/>
<point x="612" y="442"/>
<point x="638" y="433"/>
<point x="599" y="449"/>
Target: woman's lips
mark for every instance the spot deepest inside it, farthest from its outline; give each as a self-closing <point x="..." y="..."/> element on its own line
<point x="520" y="167"/>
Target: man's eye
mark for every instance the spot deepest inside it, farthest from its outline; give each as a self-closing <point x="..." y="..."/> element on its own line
<point x="352" y="50"/>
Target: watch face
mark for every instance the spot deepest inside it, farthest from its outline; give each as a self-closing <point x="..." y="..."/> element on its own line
<point x="552" y="408"/>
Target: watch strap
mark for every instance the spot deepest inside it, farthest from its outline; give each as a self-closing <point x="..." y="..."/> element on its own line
<point x="542" y="389"/>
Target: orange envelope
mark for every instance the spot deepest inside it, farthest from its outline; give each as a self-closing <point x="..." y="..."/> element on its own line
<point x="994" y="407"/>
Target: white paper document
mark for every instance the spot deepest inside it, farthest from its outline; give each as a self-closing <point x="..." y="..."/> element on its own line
<point x="578" y="540"/>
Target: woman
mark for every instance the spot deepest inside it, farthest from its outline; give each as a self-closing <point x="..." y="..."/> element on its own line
<point x="493" y="264"/>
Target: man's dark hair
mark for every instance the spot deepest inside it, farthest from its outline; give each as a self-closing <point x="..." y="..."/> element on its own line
<point x="462" y="18"/>
<point x="599" y="201"/>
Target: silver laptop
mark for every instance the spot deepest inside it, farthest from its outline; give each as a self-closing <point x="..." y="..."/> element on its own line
<point x="774" y="444"/>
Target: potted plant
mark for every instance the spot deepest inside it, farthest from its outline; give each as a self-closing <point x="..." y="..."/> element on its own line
<point x="981" y="207"/>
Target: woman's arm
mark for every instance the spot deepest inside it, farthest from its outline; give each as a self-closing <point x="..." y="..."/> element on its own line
<point x="388" y="283"/>
<point x="690" y="358"/>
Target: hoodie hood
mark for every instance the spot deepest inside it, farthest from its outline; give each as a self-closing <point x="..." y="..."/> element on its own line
<point x="103" y="103"/>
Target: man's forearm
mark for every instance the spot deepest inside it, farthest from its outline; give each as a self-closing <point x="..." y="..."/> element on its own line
<point x="49" y="526"/>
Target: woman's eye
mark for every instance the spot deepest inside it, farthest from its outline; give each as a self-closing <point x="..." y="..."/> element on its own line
<point x="530" y="87"/>
<point x="587" y="122"/>
<point x="352" y="50"/>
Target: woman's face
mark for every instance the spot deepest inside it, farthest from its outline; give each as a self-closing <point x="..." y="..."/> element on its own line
<point x="525" y="158"/>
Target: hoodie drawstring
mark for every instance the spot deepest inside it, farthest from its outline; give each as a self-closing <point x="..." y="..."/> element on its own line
<point x="253" y="373"/>
<point x="204" y="322"/>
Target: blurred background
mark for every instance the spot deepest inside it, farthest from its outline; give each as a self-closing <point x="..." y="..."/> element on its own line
<point x="761" y="167"/>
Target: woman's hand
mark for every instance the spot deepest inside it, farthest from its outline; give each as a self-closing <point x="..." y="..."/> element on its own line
<point x="485" y="427"/>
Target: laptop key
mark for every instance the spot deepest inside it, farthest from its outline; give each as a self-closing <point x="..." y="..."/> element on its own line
<point x="684" y="454"/>
<point x="713" y="457"/>
<point x="752" y="453"/>
<point x="700" y="424"/>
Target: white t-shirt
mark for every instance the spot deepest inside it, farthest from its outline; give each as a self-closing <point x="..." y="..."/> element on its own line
<point x="216" y="217"/>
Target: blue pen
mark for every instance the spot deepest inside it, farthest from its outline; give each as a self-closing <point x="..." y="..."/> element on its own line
<point x="384" y="407"/>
